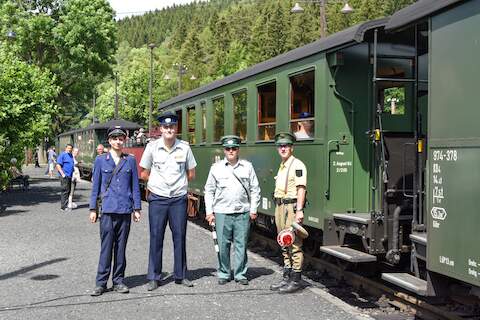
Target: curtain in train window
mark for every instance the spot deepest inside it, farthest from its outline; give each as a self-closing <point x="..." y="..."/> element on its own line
<point x="218" y="121"/>
<point x="203" y="108"/>
<point x="302" y="105"/>
<point x="267" y="111"/>
<point x="240" y="114"/>
<point x="191" y="124"/>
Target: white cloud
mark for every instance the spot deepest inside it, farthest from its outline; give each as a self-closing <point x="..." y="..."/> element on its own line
<point x="125" y="8"/>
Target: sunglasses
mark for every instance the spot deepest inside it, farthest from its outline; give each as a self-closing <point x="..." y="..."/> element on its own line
<point x="231" y="148"/>
<point x="283" y="146"/>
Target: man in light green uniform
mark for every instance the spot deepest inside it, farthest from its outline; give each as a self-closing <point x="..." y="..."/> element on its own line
<point x="232" y="196"/>
<point x="289" y="194"/>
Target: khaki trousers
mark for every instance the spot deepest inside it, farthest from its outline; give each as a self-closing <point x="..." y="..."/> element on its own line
<point x="292" y="256"/>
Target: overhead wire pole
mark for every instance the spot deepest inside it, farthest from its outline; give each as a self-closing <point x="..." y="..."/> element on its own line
<point x="323" y="12"/>
<point x="116" y="96"/>
<point x="323" y="19"/>
<point x="150" y="109"/>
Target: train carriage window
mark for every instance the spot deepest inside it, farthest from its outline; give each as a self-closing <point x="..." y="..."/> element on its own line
<point x="218" y="121"/>
<point x="240" y="114"/>
<point x="179" y="124"/>
<point x="267" y="111"/>
<point x="302" y="105"/>
<point x="191" y="124"/>
<point x="203" y="108"/>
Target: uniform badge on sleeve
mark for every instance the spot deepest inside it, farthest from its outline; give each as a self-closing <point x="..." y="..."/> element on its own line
<point x="299" y="173"/>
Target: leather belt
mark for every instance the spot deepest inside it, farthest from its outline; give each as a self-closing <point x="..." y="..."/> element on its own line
<point x="280" y="201"/>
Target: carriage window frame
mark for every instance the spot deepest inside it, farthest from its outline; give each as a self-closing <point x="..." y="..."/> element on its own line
<point x="391" y="64"/>
<point x="260" y="124"/>
<point x="235" y="113"/>
<point x="179" y="113"/>
<point x="295" y="120"/>
<point x="191" y="138"/>
<point x="221" y="124"/>
<point x="204" y="122"/>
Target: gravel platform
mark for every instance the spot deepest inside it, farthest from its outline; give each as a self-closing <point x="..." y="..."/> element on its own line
<point x="48" y="261"/>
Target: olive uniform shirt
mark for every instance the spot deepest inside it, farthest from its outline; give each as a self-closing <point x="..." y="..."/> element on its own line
<point x="297" y="176"/>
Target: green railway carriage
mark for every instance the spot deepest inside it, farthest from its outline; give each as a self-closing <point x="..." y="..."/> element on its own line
<point x="392" y="139"/>
<point x="87" y="139"/>
<point x="322" y="79"/>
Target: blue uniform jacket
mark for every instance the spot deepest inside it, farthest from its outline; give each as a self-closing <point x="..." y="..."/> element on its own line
<point x="123" y="194"/>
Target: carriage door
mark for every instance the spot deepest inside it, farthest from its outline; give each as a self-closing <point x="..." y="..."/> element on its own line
<point x="346" y="72"/>
<point x="397" y="128"/>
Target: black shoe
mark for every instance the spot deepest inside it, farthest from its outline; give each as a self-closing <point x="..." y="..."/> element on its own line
<point x="293" y="285"/>
<point x="152" y="285"/>
<point x="243" y="282"/>
<point x="121" y="288"/>
<point x="98" y="291"/>
<point x="222" y="281"/>
<point x="185" y="282"/>
<point x="284" y="282"/>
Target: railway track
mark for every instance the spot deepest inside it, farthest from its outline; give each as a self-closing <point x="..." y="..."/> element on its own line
<point x="321" y="271"/>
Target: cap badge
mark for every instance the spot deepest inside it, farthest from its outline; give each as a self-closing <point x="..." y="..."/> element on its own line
<point x="168" y="120"/>
<point x="230" y="142"/>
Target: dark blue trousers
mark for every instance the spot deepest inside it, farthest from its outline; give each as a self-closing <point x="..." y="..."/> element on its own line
<point x="114" y="230"/>
<point x="174" y="211"/>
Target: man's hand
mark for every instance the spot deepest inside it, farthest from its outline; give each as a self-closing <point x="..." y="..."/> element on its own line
<point x="299" y="216"/>
<point x="210" y="218"/>
<point x="253" y="215"/>
<point x="93" y="216"/>
<point x="136" y="215"/>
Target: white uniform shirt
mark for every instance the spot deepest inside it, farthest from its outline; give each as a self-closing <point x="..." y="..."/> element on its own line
<point x="168" y="169"/>
<point x="225" y="194"/>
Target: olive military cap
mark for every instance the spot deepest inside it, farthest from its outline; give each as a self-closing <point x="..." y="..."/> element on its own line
<point x="231" y="141"/>
<point x="168" y="119"/>
<point x="284" y="138"/>
<point x="116" y="131"/>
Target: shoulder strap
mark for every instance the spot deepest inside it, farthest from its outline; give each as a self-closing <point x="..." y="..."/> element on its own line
<point x="244" y="188"/>
<point x="288" y="171"/>
<point x="115" y="171"/>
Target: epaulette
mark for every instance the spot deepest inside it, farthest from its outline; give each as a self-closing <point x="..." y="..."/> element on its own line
<point x="184" y="142"/>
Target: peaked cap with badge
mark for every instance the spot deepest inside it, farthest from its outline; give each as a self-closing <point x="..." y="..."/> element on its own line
<point x="168" y="118"/>
<point x="284" y="138"/>
<point x="116" y="131"/>
<point x="231" y="141"/>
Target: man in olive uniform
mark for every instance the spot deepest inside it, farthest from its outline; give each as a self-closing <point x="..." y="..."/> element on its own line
<point x="290" y="190"/>
<point x="232" y="196"/>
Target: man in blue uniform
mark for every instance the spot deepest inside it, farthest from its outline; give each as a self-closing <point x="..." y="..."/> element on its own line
<point x="167" y="164"/>
<point x="232" y="196"/>
<point x="65" y="165"/>
<point x="115" y="181"/>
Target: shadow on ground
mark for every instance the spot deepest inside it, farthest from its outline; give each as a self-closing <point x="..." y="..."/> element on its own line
<point x="35" y="266"/>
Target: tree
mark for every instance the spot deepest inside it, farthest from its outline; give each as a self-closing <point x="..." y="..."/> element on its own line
<point x="27" y="106"/>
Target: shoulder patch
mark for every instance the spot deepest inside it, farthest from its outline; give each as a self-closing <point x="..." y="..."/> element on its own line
<point x="299" y="173"/>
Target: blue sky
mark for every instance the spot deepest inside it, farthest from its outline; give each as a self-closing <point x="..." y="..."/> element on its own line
<point x="130" y="7"/>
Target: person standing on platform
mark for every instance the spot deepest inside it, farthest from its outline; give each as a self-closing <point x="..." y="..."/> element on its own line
<point x="289" y="194"/>
<point x="116" y="183"/>
<point x="52" y="160"/>
<point x="167" y="164"/>
<point x="35" y="157"/>
<point x="75" y="179"/>
<point x="65" y="170"/>
<point x="100" y="149"/>
<point x="232" y="196"/>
